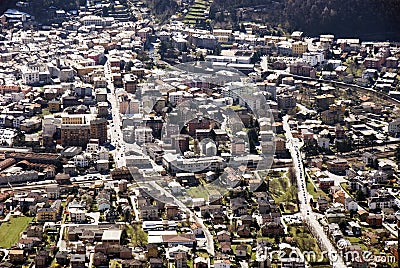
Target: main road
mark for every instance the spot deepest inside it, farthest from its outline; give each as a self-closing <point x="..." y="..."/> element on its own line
<point x="116" y="137"/>
<point x="306" y="211"/>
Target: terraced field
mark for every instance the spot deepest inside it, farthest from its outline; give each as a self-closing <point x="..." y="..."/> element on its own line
<point x="198" y="14"/>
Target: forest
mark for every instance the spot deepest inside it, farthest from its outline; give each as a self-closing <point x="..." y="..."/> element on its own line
<point x="367" y="19"/>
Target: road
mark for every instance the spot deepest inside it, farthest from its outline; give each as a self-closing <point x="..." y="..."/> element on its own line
<point x="122" y="147"/>
<point x="209" y="237"/>
<point x="308" y="216"/>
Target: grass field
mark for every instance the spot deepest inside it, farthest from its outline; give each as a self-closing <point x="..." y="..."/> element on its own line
<point x="10" y="231"/>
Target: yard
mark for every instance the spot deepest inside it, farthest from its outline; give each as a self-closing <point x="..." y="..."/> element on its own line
<point x="10" y="231"/>
<point x="313" y="190"/>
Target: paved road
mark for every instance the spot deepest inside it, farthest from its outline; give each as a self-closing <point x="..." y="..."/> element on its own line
<point x="306" y="212"/>
<point x="119" y="158"/>
<point x="209" y="237"/>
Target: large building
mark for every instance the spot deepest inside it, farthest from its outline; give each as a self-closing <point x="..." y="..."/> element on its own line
<point x="299" y="47"/>
<point x="77" y="130"/>
<point x="75" y="135"/>
<point x="98" y="129"/>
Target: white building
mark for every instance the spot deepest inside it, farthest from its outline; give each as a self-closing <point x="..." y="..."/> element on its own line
<point x="175" y="187"/>
<point x="143" y="135"/>
<point x="323" y="142"/>
<point x="77" y="215"/>
<point x="178" y="97"/>
<point x="222" y="264"/>
<point x="92" y="20"/>
<point x="80" y="161"/>
<point x="29" y="76"/>
<point x="313" y="58"/>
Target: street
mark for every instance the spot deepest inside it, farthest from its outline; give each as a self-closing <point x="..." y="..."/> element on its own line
<point x="306" y="212"/>
<point x="122" y="147"/>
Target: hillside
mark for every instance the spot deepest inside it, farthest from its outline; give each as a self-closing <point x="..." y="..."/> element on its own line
<point x="367" y="19"/>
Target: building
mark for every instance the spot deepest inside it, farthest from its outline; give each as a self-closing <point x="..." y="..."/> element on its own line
<point x="130" y="82"/>
<point x="75" y="135"/>
<point x="313" y="58"/>
<point x="77" y="215"/>
<point x="46" y="214"/>
<point x="322" y="102"/>
<point x="337" y="166"/>
<point x="394" y="128"/>
<point x="302" y="69"/>
<point x="53" y="191"/>
<point x="299" y="47"/>
<point x="143" y="135"/>
<point x="372" y="63"/>
<point x="111" y="237"/>
<point x="98" y="129"/>
<point x="238" y="147"/>
<point x="286" y="101"/>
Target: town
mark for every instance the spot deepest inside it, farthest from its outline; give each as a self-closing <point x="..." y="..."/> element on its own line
<point x="127" y="142"/>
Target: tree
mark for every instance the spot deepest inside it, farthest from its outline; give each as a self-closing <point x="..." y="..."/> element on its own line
<point x="360" y="196"/>
<point x="397" y="153"/>
<point x="217" y="50"/>
<point x="105" y="11"/>
<point x="292" y="176"/>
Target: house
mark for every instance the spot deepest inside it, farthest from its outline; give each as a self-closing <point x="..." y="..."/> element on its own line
<point x="62" y="257"/>
<point x="226" y="247"/>
<point x="322" y="203"/>
<point x="111" y="215"/>
<point x="156" y="263"/>
<point x="180" y="260"/>
<point x="188" y="240"/>
<point x="353" y="229"/>
<point x="53" y="191"/>
<point x="223" y="236"/>
<point x="325" y="183"/>
<point x="222" y="264"/>
<point x="241" y="250"/>
<point x="111" y="237"/>
<point x="339" y="197"/>
<point x="374" y="220"/>
<point x="201" y="262"/>
<point x="243" y="230"/>
<point x="238" y="206"/>
<point x="34" y="231"/>
<point x="196" y="229"/>
<point x="28" y="243"/>
<point x="335" y="217"/>
<point x="172" y="211"/>
<point x="77" y="215"/>
<point x="132" y="264"/>
<point x="125" y="253"/>
<point x="78" y="260"/>
<point x="46" y="214"/>
<point x="368" y="158"/>
<point x="42" y="259"/>
<point x="350" y="204"/>
<point x="271" y="229"/>
<point x="149" y="213"/>
<point x="381" y="202"/>
<point x="337" y="166"/>
<point x="100" y="259"/>
<point x="16" y="255"/>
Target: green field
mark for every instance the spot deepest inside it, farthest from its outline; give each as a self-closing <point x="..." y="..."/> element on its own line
<point x="10" y="231"/>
